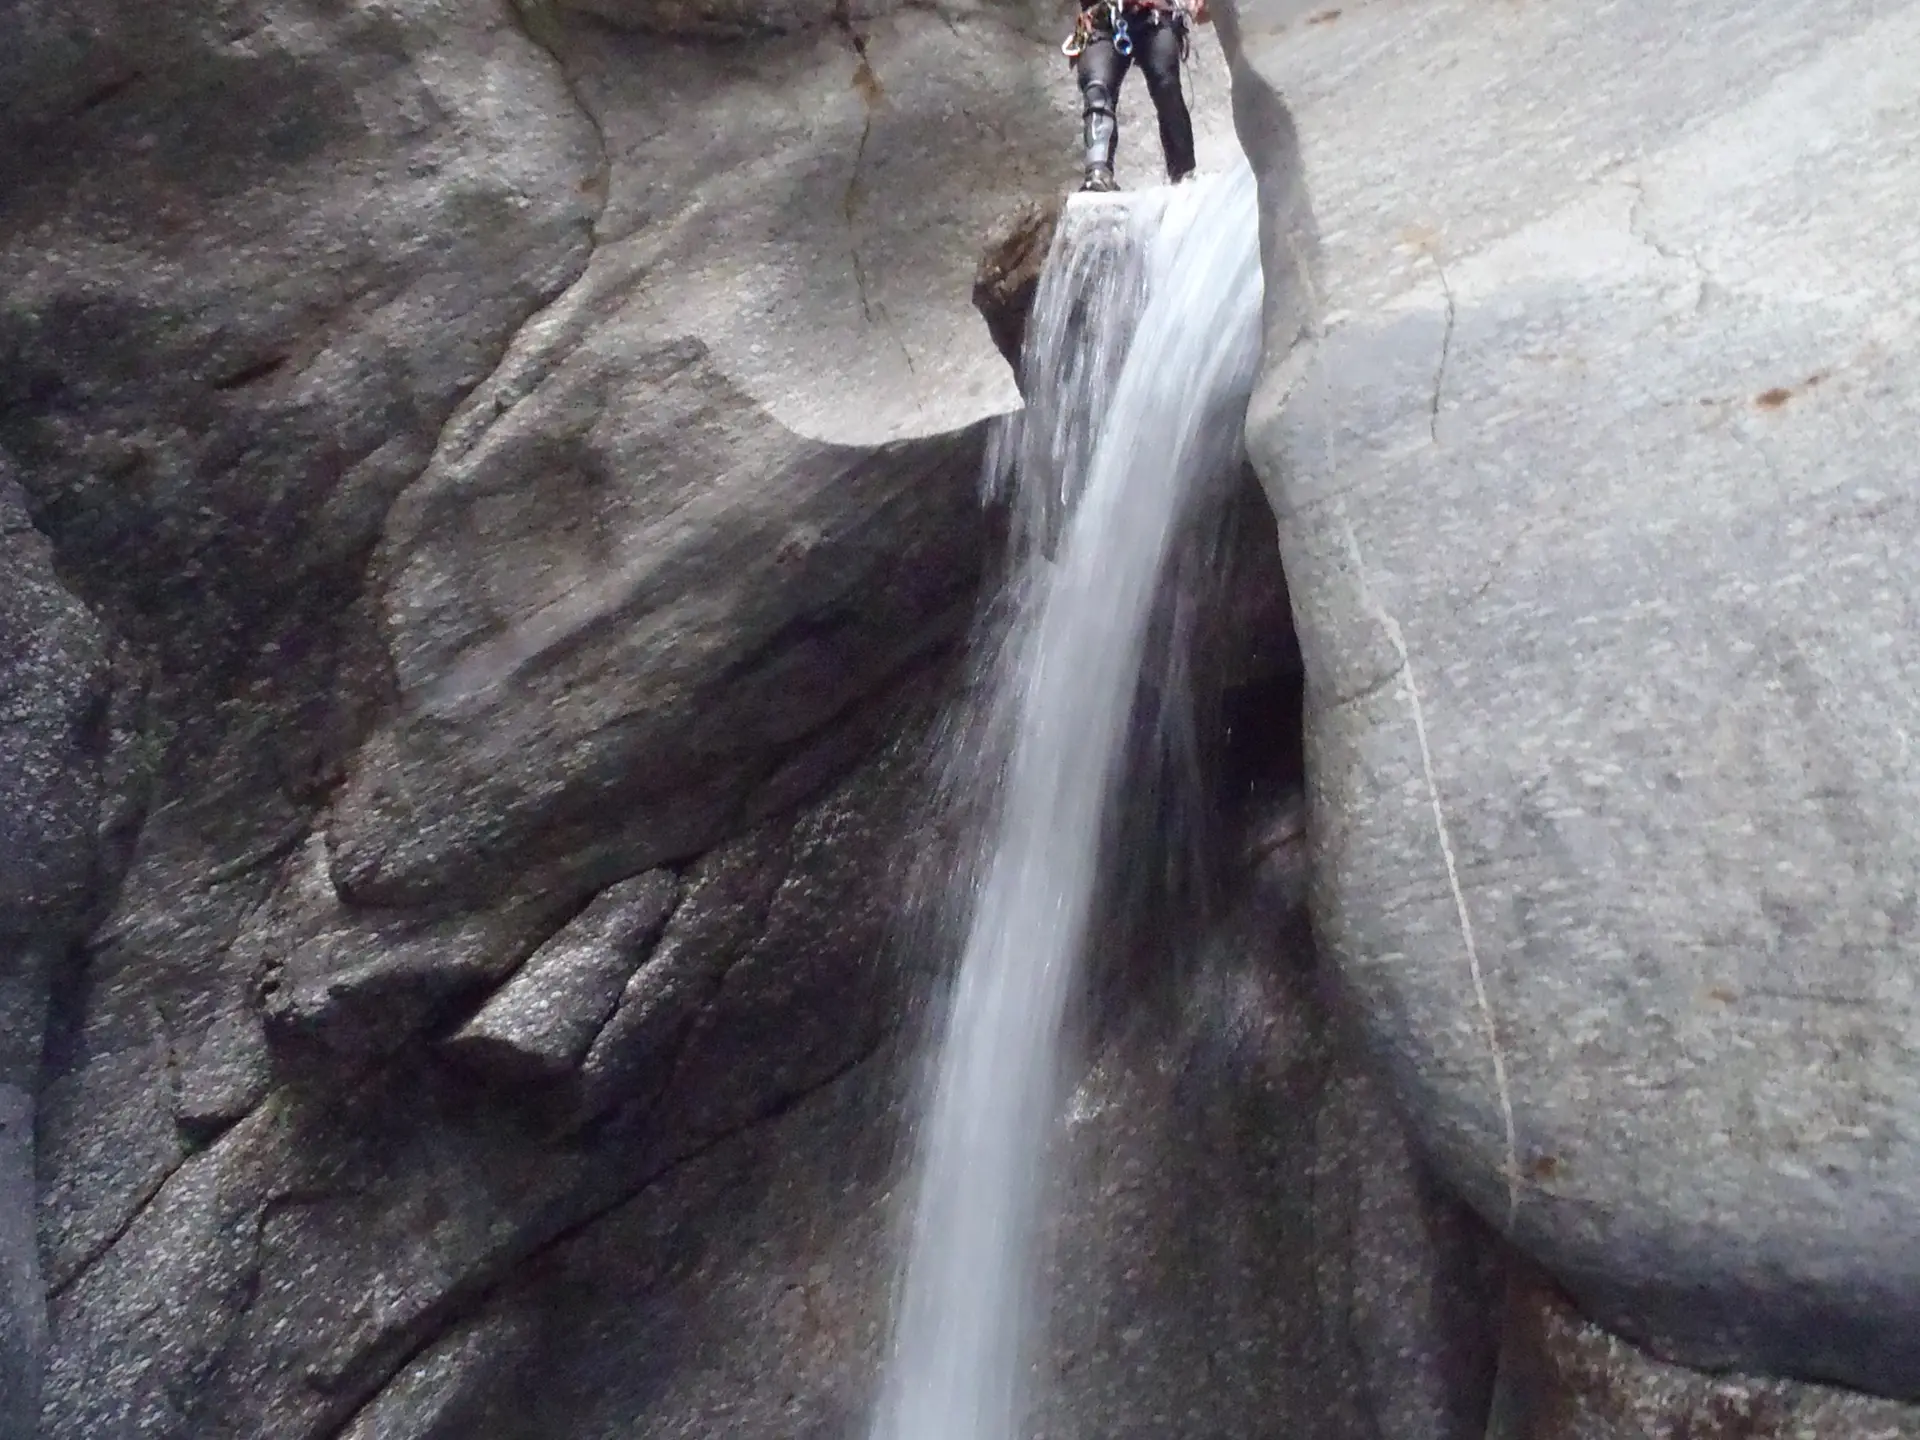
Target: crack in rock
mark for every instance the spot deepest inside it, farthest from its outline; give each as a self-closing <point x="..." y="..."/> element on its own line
<point x="544" y="30"/>
<point x="467" y="1300"/>
<point x="1497" y="566"/>
<point x="1446" y="350"/>
<point x="1490" y="1026"/>
<point x="1367" y="691"/>
<point x="866" y="83"/>
<point x="1637" y="227"/>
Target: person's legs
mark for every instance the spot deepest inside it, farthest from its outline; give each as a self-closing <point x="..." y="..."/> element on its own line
<point x="1101" y="68"/>
<point x="1159" y="48"/>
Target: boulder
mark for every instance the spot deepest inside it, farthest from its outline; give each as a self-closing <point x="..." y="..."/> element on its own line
<point x="1593" y="492"/>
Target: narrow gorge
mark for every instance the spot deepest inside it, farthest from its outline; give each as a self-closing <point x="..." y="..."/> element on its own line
<point x="586" y="584"/>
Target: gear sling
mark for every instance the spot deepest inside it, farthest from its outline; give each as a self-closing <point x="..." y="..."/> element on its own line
<point x="1107" y="38"/>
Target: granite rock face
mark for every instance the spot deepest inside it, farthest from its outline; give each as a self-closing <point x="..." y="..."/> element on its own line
<point x="1594" y="483"/>
<point x="53" y="731"/>
<point x="1245" y="1242"/>
<point x="1563" y="1378"/>
<point x="733" y="463"/>
<point x="488" y="513"/>
<point x="54" y="738"/>
<point x="541" y="1023"/>
<point x="278" y="1276"/>
<point x="706" y="1264"/>
<point x="253" y="257"/>
<point x="492" y="490"/>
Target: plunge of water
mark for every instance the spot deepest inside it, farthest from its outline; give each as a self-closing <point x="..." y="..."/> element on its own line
<point x="1140" y="359"/>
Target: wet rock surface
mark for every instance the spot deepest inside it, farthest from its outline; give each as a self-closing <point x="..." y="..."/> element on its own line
<point x="1563" y="1378"/>
<point x="1593" y="493"/>
<point x="1245" y="1242"/>
<point x="54" y="735"/>
<point x="1008" y="276"/>
<point x="488" y="516"/>
<point x="540" y="1024"/>
<point x="312" y="1251"/>
<point x="488" y="507"/>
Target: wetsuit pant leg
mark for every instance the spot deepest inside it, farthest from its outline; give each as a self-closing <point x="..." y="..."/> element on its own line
<point x="1100" y="69"/>
<point x="1159" y="49"/>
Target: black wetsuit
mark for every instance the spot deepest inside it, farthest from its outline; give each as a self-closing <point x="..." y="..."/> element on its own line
<point x="1158" y="43"/>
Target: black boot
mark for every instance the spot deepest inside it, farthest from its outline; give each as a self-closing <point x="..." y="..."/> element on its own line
<point x="1103" y="138"/>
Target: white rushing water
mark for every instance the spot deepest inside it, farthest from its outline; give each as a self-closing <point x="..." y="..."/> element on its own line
<point x="1140" y="359"/>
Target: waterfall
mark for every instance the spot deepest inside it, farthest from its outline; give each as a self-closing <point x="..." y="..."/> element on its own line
<point x="1139" y="361"/>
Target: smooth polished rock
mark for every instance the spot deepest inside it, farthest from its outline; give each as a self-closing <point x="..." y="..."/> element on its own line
<point x="725" y="490"/>
<point x="1595" y="492"/>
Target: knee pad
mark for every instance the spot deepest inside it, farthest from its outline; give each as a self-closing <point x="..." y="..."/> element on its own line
<point x="1097" y="97"/>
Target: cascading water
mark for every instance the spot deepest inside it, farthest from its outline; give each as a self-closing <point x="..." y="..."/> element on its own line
<point x="1139" y="362"/>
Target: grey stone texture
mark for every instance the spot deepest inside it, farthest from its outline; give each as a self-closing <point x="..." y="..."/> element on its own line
<point x="53" y="730"/>
<point x="23" y="1312"/>
<point x="54" y="738"/>
<point x="488" y="512"/>
<point x="1245" y="1242"/>
<point x="1594" y="480"/>
<point x="1563" y="1378"/>
<point x="279" y="1275"/>
<point x="540" y="1024"/>
<point x="253" y="256"/>
<point x="361" y="982"/>
<point x="469" y="466"/>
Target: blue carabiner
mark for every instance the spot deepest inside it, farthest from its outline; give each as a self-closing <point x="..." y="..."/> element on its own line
<point x="1122" y="41"/>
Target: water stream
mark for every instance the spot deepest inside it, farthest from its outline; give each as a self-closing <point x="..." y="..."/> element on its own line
<point x="1140" y="357"/>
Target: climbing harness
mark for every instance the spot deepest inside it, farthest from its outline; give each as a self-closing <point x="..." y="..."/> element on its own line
<point x="1087" y="28"/>
<point x="1083" y="31"/>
